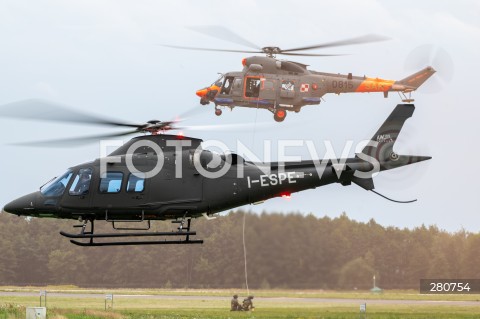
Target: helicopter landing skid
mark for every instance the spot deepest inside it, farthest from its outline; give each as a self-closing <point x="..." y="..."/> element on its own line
<point x="183" y="232"/>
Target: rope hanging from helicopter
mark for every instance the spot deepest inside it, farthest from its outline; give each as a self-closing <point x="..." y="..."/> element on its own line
<point x="244" y="213"/>
<point x="245" y="254"/>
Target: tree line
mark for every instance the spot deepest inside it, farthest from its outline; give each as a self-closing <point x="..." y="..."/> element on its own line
<point x="290" y="251"/>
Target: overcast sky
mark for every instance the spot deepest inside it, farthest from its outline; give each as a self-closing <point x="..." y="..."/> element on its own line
<point x="105" y="57"/>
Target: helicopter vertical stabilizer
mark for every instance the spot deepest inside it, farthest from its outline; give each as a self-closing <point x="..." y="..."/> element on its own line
<point x="415" y="80"/>
<point x="384" y="139"/>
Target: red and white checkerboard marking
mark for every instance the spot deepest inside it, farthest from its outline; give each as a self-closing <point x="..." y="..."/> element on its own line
<point x="304" y="87"/>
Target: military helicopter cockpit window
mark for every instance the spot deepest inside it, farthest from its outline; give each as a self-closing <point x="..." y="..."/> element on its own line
<point x="237" y="84"/>
<point x="227" y="85"/>
<point x="219" y="81"/>
<point x="111" y="182"/>
<point x="252" y="87"/>
<point x="56" y="187"/>
<point x="81" y="183"/>
<point x="136" y="183"/>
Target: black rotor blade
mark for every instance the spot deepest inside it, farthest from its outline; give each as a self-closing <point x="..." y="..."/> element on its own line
<point x="225" y="34"/>
<point x="311" y="54"/>
<point x="207" y="49"/>
<point x="74" y="141"/>
<point x="36" y="109"/>
<point x="358" y="40"/>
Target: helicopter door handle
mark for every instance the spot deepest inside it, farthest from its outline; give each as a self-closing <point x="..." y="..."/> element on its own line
<point x="137" y="197"/>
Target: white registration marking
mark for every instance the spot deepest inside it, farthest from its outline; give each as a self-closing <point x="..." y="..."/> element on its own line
<point x="275" y="179"/>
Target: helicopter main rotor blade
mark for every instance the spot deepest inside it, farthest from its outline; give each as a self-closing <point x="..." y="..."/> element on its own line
<point x="369" y="38"/>
<point x="208" y="49"/>
<point x="37" y="109"/>
<point x="228" y="127"/>
<point x="310" y="54"/>
<point x="74" y="141"/>
<point x="225" y="34"/>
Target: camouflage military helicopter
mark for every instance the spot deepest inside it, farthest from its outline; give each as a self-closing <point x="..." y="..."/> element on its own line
<point x="126" y="186"/>
<point x="280" y="86"/>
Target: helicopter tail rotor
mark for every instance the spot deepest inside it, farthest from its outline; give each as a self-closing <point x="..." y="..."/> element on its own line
<point x="437" y="57"/>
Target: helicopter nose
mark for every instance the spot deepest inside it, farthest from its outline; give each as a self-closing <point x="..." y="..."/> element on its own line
<point x="21" y="206"/>
<point x="202" y="92"/>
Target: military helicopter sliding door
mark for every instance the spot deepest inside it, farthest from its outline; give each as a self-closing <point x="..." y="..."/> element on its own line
<point x="261" y="89"/>
<point x="267" y="89"/>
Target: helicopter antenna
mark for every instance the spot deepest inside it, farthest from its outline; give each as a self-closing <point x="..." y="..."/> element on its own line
<point x="393" y="200"/>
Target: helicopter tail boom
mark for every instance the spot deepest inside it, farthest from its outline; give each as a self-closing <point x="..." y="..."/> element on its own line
<point x="355" y="84"/>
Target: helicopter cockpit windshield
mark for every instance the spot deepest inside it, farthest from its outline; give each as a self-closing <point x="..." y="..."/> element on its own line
<point x="219" y="82"/>
<point x="56" y="187"/>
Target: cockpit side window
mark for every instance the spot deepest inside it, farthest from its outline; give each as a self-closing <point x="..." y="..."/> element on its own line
<point x="81" y="183"/>
<point x="237" y="84"/>
<point x="111" y="182"/>
<point x="136" y="183"/>
<point x="227" y="85"/>
<point x="56" y="187"/>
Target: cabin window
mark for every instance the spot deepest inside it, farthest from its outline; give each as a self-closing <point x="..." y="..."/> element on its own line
<point x="136" y="183"/>
<point x="252" y="87"/>
<point x="81" y="183"/>
<point x="227" y="85"/>
<point x="56" y="187"/>
<point x="288" y="89"/>
<point x="111" y="182"/>
<point x="288" y="86"/>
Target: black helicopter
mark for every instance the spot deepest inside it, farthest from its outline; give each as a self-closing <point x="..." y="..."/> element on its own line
<point x="124" y="186"/>
<point x="280" y="85"/>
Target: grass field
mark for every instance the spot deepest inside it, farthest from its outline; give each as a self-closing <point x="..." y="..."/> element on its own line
<point x="172" y="305"/>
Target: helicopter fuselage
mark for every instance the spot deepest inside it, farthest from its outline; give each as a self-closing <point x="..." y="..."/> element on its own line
<point x="281" y="86"/>
<point x="187" y="182"/>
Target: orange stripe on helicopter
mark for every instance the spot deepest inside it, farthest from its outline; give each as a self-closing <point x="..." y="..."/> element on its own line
<point x="375" y="85"/>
